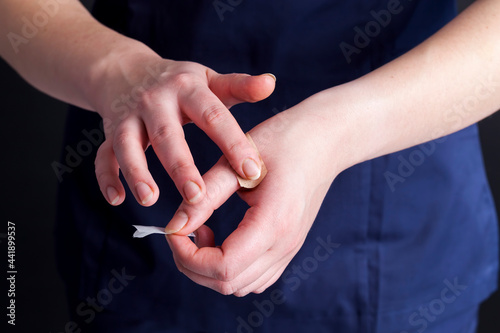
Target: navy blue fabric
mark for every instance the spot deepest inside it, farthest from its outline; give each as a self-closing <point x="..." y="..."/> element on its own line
<point x="385" y="254"/>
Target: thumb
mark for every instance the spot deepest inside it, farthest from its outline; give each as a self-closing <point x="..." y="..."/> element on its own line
<point x="233" y="89"/>
<point x="221" y="183"/>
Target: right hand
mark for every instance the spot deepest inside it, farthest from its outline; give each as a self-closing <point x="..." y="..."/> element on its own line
<point x="145" y="100"/>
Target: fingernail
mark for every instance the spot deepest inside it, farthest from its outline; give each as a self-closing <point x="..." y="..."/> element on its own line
<point x="113" y="196"/>
<point x="177" y="223"/>
<point x="192" y="192"/>
<point x="251" y="169"/>
<point x="144" y="192"/>
<point x="271" y="75"/>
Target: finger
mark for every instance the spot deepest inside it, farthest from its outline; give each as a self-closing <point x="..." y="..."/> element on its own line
<point x="250" y="241"/>
<point x="260" y="280"/>
<point x="167" y="139"/>
<point x="259" y="273"/>
<point x="129" y="145"/>
<point x="221" y="183"/>
<point x="204" y="237"/>
<point x="233" y="89"/>
<point x="263" y="273"/>
<point x="189" y="249"/>
<point x="220" y="286"/>
<point x="254" y="277"/>
<point x="213" y="117"/>
<point x="271" y="280"/>
<point x="107" y="174"/>
<point x="223" y="287"/>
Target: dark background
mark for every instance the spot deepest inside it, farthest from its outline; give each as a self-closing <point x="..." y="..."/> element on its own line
<point x="31" y="128"/>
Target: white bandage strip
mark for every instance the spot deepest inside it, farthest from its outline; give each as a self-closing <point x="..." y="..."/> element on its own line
<point x="145" y="230"/>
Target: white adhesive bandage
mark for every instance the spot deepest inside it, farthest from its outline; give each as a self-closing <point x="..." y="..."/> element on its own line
<point x="249" y="184"/>
<point x="145" y="230"/>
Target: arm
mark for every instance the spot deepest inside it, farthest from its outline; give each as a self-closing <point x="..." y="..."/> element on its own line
<point x="420" y="96"/>
<point x="143" y="99"/>
<point x="447" y="83"/>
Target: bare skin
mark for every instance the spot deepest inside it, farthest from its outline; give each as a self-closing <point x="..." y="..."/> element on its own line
<point x="143" y="99"/>
<point x="406" y="102"/>
<point x="409" y="101"/>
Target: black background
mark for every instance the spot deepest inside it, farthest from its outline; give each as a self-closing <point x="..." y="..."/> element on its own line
<point x="31" y="128"/>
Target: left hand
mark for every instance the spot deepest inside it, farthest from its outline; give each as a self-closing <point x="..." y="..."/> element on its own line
<point x="296" y="150"/>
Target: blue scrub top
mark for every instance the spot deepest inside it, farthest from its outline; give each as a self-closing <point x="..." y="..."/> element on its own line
<point x="401" y="243"/>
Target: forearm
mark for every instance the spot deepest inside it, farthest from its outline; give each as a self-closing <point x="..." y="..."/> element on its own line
<point x="64" y="56"/>
<point x="447" y="83"/>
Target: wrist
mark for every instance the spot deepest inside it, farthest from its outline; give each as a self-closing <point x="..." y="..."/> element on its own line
<point x="342" y="125"/>
<point x="116" y="70"/>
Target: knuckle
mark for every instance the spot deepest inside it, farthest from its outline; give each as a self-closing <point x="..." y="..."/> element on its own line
<point x="236" y="147"/>
<point x="139" y="99"/>
<point x="100" y="169"/>
<point x="214" y="115"/>
<point x="100" y="155"/>
<point x="147" y="99"/>
<point x="292" y="247"/>
<point x="144" y="99"/>
<point x="225" y="273"/>
<point x="242" y="292"/>
<point x="259" y="290"/>
<point x="100" y="176"/>
<point x="213" y="195"/>
<point x="225" y="288"/>
<point x="122" y="137"/>
<point x="162" y="134"/>
<point x="179" y="266"/>
<point x="129" y="171"/>
<point x="182" y="80"/>
<point x="178" y="168"/>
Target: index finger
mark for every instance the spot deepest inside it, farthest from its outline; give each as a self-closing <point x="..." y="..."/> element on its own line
<point x="221" y="182"/>
<point x="214" y="118"/>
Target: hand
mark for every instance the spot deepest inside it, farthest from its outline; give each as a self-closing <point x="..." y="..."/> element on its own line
<point x="146" y="100"/>
<point x="282" y="209"/>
